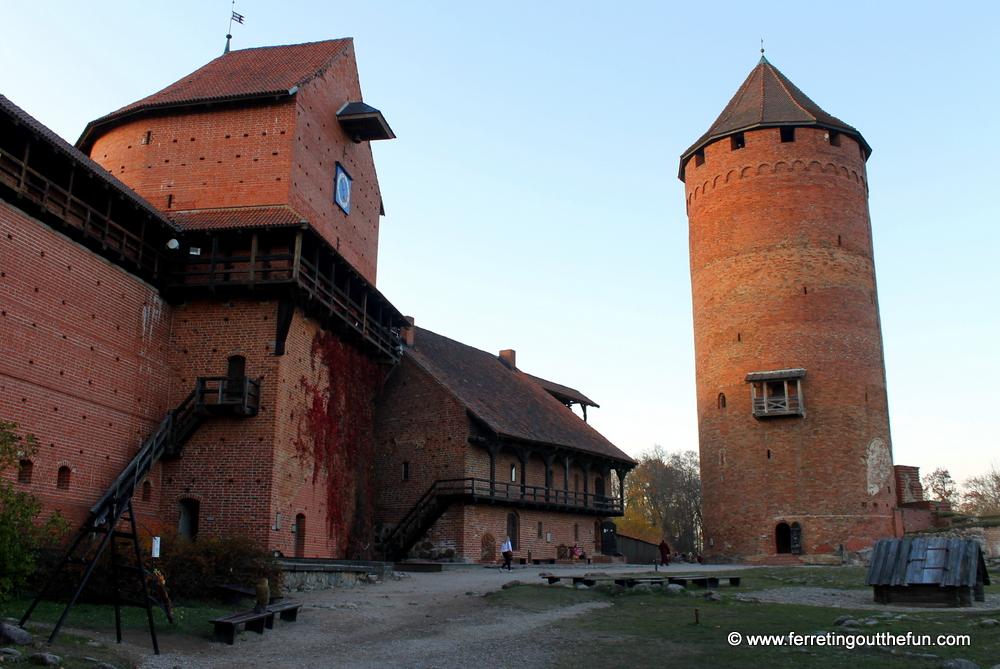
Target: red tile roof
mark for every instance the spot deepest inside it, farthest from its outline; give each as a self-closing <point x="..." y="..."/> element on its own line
<point x="238" y="217"/>
<point x="238" y="75"/>
<point x="506" y="401"/>
<point x="768" y="99"/>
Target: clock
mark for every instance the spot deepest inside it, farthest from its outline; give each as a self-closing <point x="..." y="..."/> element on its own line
<point x="342" y="189"/>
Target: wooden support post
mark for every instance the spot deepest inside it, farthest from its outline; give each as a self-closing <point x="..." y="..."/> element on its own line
<point x="297" y="256"/>
<point x="252" y="270"/>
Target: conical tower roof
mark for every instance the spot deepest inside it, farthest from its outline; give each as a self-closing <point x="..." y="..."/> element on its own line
<point x="765" y="100"/>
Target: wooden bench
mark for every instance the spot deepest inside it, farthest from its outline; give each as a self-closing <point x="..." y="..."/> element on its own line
<point x="231" y="594"/>
<point x="225" y="627"/>
<point x="287" y="611"/>
<point x="698" y="580"/>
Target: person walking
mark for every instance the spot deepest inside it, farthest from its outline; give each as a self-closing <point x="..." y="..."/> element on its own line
<point x="664" y="553"/>
<point x="507" y="551"/>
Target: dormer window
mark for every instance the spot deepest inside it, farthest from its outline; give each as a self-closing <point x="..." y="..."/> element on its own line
<point x="777" y="393"/>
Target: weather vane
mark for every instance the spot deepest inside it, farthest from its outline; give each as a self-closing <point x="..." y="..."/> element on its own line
<point x="761" y="39"/>
<point x="229" y="34"/>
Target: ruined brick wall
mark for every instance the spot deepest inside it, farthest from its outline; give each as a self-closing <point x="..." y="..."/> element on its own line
<point x="783" y="276"/>
<point x="84" y="361"/>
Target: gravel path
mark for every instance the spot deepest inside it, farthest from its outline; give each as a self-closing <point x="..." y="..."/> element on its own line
<point x="422" y="621"/>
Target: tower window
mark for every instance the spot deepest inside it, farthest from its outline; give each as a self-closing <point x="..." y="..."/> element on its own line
<point x="699" y="157"/>
<point x="737" y="141"/>
<point x="787" y="134"/>
<point x="62" y="478"/>
<point x="722" y="400"/>
<point x="777" y="393"/>
<point x="539" y="529"/>
<point x="513" y="473"/>
<point x="406" y="471"/>
<point x="834" y="139"/>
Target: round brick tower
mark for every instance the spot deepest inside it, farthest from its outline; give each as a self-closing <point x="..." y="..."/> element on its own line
<point x="793" y="421"/>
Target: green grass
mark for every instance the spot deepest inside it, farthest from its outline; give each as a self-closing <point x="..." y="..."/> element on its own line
<point x="654" y="630"/>
<point x="189" y="620"/>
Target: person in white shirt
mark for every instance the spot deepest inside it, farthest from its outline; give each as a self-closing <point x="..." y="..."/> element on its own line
<point x="507" y="551"/>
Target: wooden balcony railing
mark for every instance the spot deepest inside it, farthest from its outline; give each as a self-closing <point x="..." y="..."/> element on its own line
<point x="330" y="285"/>
<point x="475" y="489"/>
<point x="96" y="226"/>
<point x="777" y="406"/>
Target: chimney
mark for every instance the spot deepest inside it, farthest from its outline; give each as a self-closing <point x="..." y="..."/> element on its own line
<point x="407" y="331"/>
<point x="508" y="358"/>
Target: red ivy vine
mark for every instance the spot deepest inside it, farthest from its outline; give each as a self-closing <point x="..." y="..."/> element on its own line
<point x="339" y="436"/>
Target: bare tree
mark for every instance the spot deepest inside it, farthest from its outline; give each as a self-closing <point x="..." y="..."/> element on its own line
<point x="982" y="493"/>
<point x="663" y="499"/>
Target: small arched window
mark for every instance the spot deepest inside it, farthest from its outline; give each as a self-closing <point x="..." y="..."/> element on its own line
<point x="147" y="491"/>
<point x="62" y="478"/>
<point x="24" y="473"/>
<point x="513" y="473"/>
<point x="722" y="400"/>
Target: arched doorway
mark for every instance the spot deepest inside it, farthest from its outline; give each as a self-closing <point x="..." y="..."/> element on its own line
<point x="187" y="526"/>
<point x="783" y="538"/>
<point x="300" y="535"/>
<point x="513" y="530"/>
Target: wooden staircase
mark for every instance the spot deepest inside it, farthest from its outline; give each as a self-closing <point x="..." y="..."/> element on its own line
<point x="112" y="517"/>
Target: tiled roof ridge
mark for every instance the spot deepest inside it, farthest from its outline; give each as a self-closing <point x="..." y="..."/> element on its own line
<point x="519" y="409"/>
<point x="202" y="76"/>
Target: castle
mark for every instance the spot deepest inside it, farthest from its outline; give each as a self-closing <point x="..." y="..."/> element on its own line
<point x="793" y="419"/>
<point x="191" y="321"/>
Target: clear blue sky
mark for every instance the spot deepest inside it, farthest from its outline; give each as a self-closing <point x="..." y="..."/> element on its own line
<point x="531" y="196"/>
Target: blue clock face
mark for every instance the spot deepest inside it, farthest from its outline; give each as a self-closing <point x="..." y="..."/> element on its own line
<point x="342" y="193"/>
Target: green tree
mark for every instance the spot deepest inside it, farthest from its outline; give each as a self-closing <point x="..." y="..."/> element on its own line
<point x="663" y="500"/>
<point x="19" y="536"/>
<point x="940" y="486"/>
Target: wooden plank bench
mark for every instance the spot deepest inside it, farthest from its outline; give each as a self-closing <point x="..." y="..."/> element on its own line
<point x="698" y="580"/>
<point x="287" y="611"/>
<point x="225" y="627"/>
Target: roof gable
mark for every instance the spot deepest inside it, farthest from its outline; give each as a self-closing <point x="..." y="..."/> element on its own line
<point x="508" y="402"/>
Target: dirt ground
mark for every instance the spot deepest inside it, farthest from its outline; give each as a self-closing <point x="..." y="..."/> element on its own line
<point x="422" y="621"/>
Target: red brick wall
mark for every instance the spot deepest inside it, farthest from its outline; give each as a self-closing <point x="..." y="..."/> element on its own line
<point x="270" y="152"/>
<point x="783" y="276"/>
<point x="419" y="423"/>
<point x="207" y="158"/>
<point x="319" y="144"/>
<point x="83" y="365"/>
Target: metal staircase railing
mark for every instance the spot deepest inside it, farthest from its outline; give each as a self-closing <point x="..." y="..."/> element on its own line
<point x="211" y="396"/>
